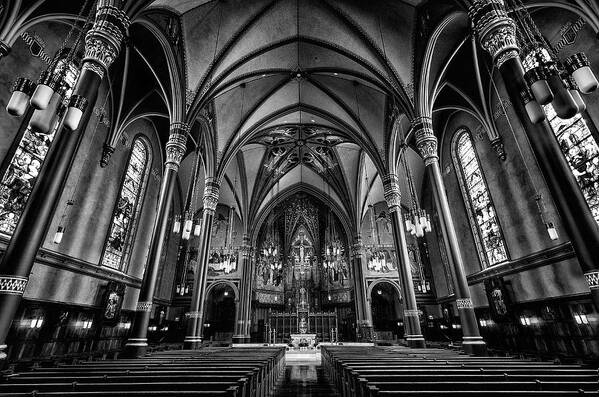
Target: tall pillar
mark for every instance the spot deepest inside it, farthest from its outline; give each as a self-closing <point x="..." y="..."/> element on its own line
<point x="426" y="143"/>
<point x="137" y="343"/>
<point x="497" y="34"/>
<point x="102" y="45"/>
<point x="193" y="340"/>
<point x="242" y="317"/>
<point x="363" y="309"/>
<point x="411" y="320"/>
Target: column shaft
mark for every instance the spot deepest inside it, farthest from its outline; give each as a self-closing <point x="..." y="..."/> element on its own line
<point x="411" y="320"/>
<point x="426" y="142"/>
<point x="193" y="340"/>
<point x="137" y="343"/>
<point x="241" y="334"/>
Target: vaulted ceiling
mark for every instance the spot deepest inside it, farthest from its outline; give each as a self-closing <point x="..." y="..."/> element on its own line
<point x="299" y="93"/>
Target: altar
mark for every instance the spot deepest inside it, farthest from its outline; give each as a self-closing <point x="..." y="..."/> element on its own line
<point x="303" y="341"/>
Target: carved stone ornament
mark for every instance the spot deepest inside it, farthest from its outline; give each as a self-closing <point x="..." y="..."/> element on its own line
<point x="211" y="195"/>
<point x="357" y="250"/>
<point x="103" y="40"/>
<point x="107" y="152"/>
<point x="426" y="141"/>
<point x="144" y="307"/>
<point x="175" y="149"/>
<point x="392" y="192"/>
<point x="592" y="279"/>
<point x="495" y="29"/>
<point x="13" y="285"/>
<point x="464" y="303"/>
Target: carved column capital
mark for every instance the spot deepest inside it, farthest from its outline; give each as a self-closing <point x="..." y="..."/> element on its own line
<point x="495" y="29"/>
<point x="175" y="150"/>
<point x="103" y="40"/>
<point x="426" y="141"/>
<point x="211" y="195"/>
<point x="392" y="192"/>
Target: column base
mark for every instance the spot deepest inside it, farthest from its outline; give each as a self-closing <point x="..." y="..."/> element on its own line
<point x="135" y="348"/>
<point x="416" y="341"/>
<point x="192" y="343"/>
<point x="241" y="339"/>
<point x="474" y="345"/>
<point x="367" y="333"/>
<point x="3" y="355"/>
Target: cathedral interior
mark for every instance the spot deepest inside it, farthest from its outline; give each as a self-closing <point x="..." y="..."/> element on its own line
<point x="299" y="197"/>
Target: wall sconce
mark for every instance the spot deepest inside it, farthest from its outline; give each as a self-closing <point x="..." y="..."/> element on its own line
<point x="36" y="322"/>
<point x="524" y="320"/>
<point x="581" y="318"/>
<point x="152" y="328"/>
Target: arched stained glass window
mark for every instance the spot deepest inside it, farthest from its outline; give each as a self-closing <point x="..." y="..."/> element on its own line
<point x="128" y="206"/>
<point x="24" y="166"/>
<point x="577" y="143"/>
<point x="481" y="211"/>
<point x="582" y="153"/>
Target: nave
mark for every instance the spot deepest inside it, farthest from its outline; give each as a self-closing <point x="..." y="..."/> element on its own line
<point x="347" y="371"/>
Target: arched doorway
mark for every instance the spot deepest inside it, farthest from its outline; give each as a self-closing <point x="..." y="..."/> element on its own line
<point x="387" y="318"/>
<point x="219" y="322"/>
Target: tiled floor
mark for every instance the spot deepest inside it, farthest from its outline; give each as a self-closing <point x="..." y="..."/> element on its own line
<point x="305" y="380"/>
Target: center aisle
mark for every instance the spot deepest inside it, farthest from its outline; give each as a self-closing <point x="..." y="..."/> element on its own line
<point x="305" y="380"/>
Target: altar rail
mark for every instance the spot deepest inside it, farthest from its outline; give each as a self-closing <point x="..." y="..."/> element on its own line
<point x="281" y="325"/>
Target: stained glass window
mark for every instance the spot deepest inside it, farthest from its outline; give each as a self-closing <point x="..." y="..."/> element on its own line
<point x="128" y="205"/>
<point x="582" y="153"/>
<point x="22" y="171"/>
<point x="480" y="207"/>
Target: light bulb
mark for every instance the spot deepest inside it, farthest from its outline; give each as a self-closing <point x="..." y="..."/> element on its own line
<point x="177" y="225"/>
<point x="579" y="67"/>
<point x="196" y="230"/>
<point x="45" y="89"/>
<point x="552" y="231"/>
<point x="77" y="105"/>
<point x="42" y="121"/>
<point x="19" y="100"/>
<point x="58" y="235"/>
<point x="188" y="226"/>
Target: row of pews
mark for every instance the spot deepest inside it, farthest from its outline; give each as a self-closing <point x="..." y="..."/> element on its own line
<point x="364" y="371"/>
<point x="232" y="372"/>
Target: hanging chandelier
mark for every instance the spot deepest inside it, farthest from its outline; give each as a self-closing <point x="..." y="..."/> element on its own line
<point x="51" y="97"/>
<point x="417" y="220"/>
<point x="270" y="246"/>
<point x="549" y="79"/>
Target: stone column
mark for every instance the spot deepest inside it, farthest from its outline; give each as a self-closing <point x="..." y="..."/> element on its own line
<point x="411" y="320"/>
<point x="102" y="45"/>
<point x="137" y="343"/>
<point x="497" y="35"/>
<point x="363" y="309"/>
<point x="193" y="340"/>
<point x="426" y="143"/>
<point x="242" y="317"/>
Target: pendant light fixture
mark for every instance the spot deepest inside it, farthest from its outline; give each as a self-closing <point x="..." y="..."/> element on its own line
<point x="50" y="96"/>
<point x="549" y="78"/>
<point x="417" y="220"/>
<point x="19" y="100"/>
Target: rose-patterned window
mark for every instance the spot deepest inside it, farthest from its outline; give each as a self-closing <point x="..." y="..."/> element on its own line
<point x="128" y="206"/>
<point x="24" y="166"/>
<point x="481" y="211"/>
